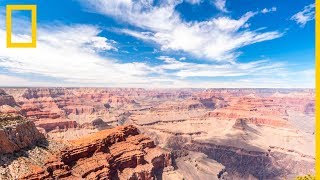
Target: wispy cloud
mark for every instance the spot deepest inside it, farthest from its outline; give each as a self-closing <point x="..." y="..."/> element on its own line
<point x="217" y="39"/>
<point x="187" y="69"/>
<point x="304" y="16"/>
<point x="71" y="53"/>
<point x="265" y="10"/>
<point x="221" y="5"/>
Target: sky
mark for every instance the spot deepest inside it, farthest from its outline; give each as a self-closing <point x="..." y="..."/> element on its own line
<point x="162" y="44"/>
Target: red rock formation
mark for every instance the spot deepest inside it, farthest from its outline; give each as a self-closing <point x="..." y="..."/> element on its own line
<point x="34" y="93"/>
<point x="41" y="108"/>
<point x="240" y="124"/>
<point x="7" y="104"/>
<point x="79" y="109"/>
<point x="263" y="111"/>
<point x="41" y="104"/>
<point x="273" y="164"/>
<point x="51" y="124"/>
<point x="6" y="99"/>
<point x="120" y="152"/>
<point x="259" y="106"/>
<point x="16" y="133"/>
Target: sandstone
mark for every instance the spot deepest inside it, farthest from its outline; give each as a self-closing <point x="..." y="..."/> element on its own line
<point x="120" y="152"/>
<point x="240" y="124"/>
<point x="18" y="135"/>
<point x="6" y="99"/>
<point x="53" y="124"/>
<point x="96" y="124"/>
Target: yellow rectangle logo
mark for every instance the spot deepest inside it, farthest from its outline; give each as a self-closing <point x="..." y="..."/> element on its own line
<point x="33" y="9"/>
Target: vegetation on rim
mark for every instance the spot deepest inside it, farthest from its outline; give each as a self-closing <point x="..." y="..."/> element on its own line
<point x="10" y="119"/>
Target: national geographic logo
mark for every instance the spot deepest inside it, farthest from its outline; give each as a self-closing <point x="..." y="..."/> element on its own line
<point x="10" y="9"/>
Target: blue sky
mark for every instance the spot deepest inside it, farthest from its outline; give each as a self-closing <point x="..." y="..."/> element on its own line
<point x="169" y="43"/>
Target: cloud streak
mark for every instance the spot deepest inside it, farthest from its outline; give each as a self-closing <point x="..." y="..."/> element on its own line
<point x="304" y="16"/>
<point x="221" y="5"/>
<point x="217" y="39"/>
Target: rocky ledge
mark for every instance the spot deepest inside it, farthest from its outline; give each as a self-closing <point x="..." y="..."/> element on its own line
<point x="119" y="153"/>
<point x="17" y="133"/>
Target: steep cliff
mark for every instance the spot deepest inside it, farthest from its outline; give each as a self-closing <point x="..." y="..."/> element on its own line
<point x="119" y="153"/>
<point x="17" y="133"/>
<point x="6" y="99"/>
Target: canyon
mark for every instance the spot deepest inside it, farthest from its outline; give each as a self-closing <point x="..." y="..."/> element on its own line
<point x="134" y="133"/>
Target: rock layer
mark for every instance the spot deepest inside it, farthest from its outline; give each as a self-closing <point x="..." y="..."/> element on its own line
<point x="18" y="135"/>
<point x="119" y="153"/>
<point x="6" y="99"/>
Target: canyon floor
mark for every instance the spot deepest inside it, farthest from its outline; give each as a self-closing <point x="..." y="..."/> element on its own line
<point x="132" y="133"/>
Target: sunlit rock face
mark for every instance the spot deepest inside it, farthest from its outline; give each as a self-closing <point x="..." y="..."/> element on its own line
<point x="17" y="133"/>
<point x="119" y="153"/>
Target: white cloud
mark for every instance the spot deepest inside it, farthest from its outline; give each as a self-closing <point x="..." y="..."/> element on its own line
<point x="6" y="80"/>
<point x="13" y="81"/>
<point x="69" y="36"/>
<point x="265" y="10"/>
<point x="70" y="53"/>
<point x="217" y="39"/>
<point x="297" y="79"/>
<point x="187" y="69"/>
<point x="221" y="5"/>
<point x="307" y="14"/>
<point x="139" y="13"/>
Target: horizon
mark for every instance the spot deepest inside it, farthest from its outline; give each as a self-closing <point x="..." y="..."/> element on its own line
<point x="150" y="88"/>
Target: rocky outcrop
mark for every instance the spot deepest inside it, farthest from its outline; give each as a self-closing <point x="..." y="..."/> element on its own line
<point x="7" y="104"/>
<point x="259" y="111"/>
<point x="241" y="163"/>
<point x="240" y="124"/>
<point x="31" y="93"/>
<point x="41" y="108"/>
<point x="17" y="134"/>
<point x="6" y="99"/>
<point x="96" y="124"/>
<point x="79" y="104"/>
<point x="119" y="153"/>
<point x="79" y="110"/>
<point x="310" y="108"/>
<point x="56" y="124"/>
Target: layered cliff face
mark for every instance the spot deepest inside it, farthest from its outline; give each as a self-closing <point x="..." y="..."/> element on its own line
<point x="119" y="153"/>
<point x="264" y="107"/>
<point x="246" y="125"/>
<point x="66" y="105"/>
<point x="8" y="104"/>
<point x="17" y="133"/>
<point x="256" y="164"/>
<point x="6" y="99"/>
